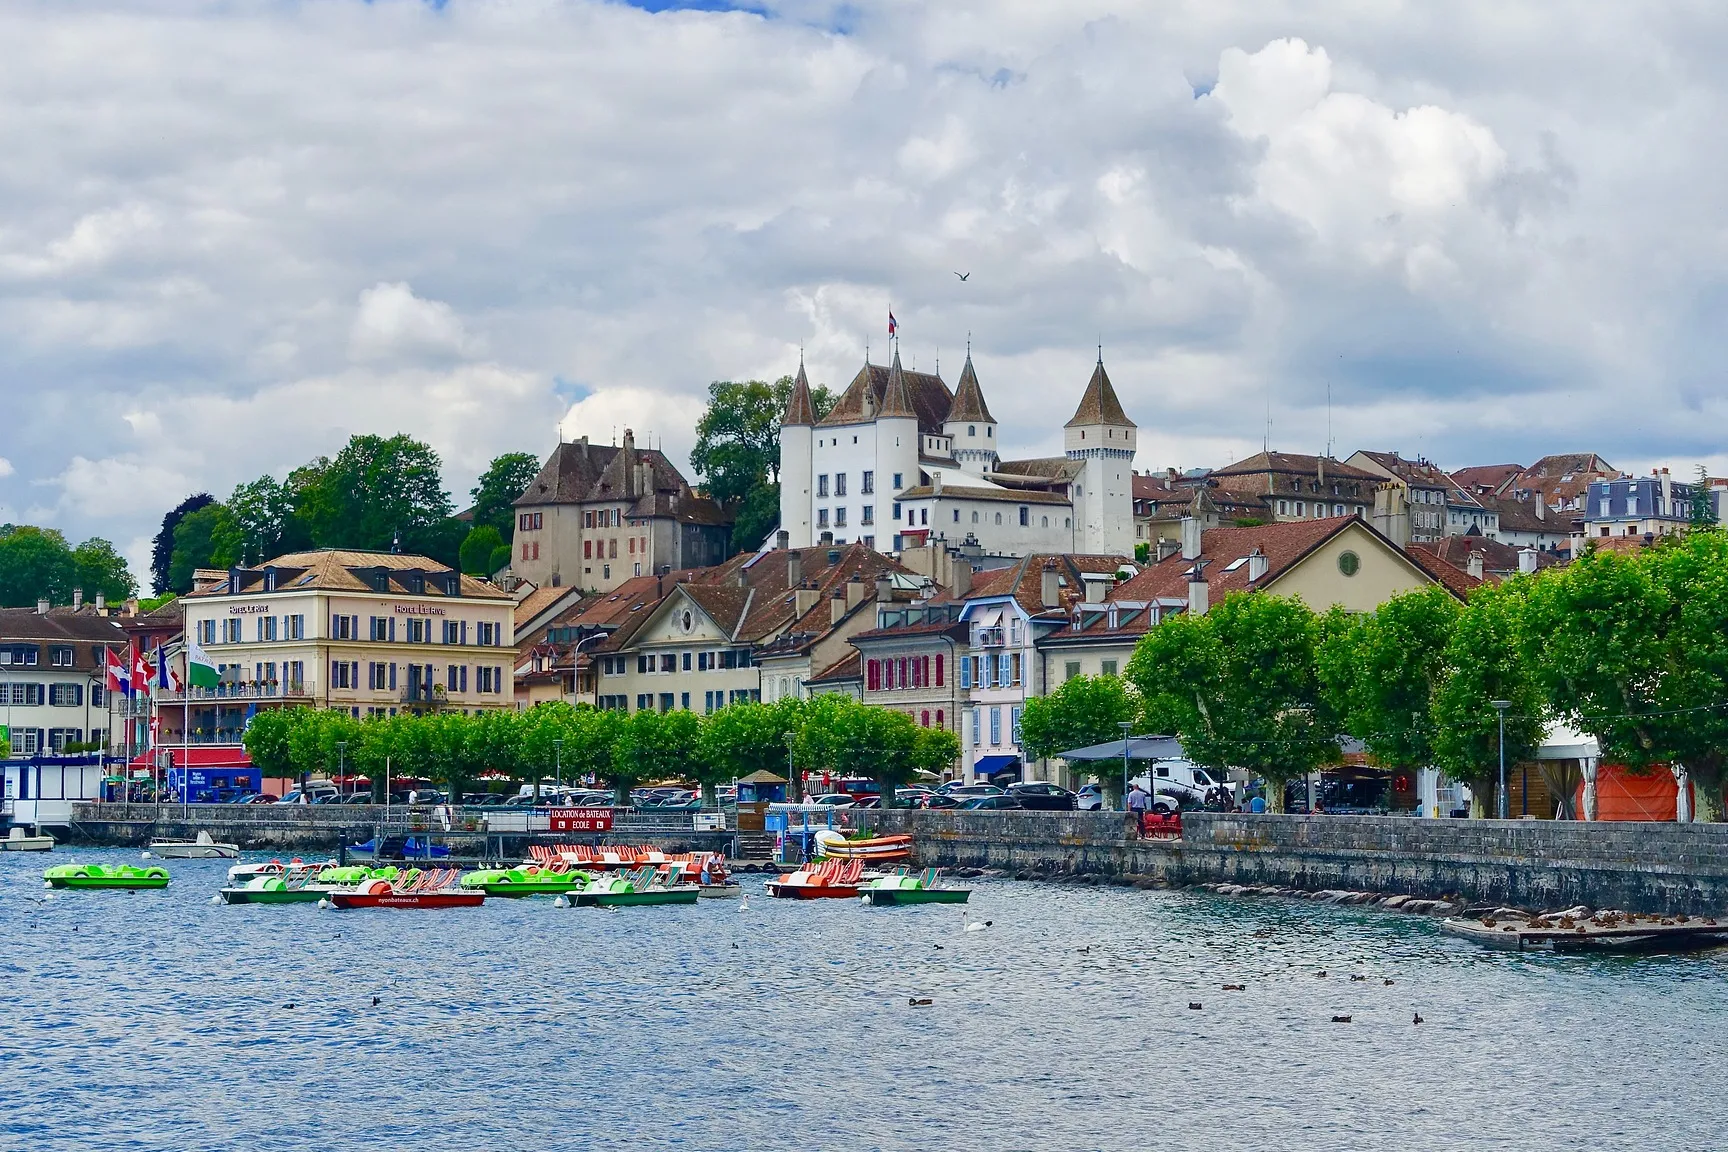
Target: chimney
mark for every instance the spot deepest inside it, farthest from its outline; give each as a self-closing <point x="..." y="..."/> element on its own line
<point x="936" y="483"/>
<point x="1477" y="561"/>
<point x="1191" y="537"/>
<point x="102" y="603"/>
<point x="1050" y="586"/>
<point x="1392" y="514"/>
<point x="1096" y="590"/>
<point x="827" y="539"/>
<point x="1166" y="549"/>
<point x="884" y="589"/>
<point x="77" y="599"/>
<point x="1667" y="493"/>
<point x="42" y="606"/>
<point x="794" y="568"/>
<point x="837" y="605"/>
<point x="782" y="540"/>
<point x="1199" y="592"/>
<point x="855" y="590"/>
<point x="960" y="583"/>
<point x="1526" y="561"/>
<point x="804" y="599"/>
<point x="132" y="606"/>
<point x="1541" y="507"/>
<point x="1258" y="565"/>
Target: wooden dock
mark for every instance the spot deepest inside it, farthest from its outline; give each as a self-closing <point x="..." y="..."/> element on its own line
<point x="1601" y="932"/>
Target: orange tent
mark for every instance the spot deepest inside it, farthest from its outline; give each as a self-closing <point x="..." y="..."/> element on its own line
<point x="1622" y="794"/>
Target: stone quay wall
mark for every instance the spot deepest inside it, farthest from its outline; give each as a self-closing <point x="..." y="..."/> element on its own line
<point x="1643" y="867"/>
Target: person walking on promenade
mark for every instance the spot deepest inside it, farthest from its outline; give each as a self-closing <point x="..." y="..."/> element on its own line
<point x="1138" y="802"/>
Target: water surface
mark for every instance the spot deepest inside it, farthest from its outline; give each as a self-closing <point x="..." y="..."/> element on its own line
<point x="161" y="1021"/>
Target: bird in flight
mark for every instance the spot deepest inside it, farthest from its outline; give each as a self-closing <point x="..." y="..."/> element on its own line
<point x="964" y="275"/>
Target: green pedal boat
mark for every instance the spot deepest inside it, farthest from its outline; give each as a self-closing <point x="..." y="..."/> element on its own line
<point x="903" y="889"/>
<point x="527" y="881"/>
<point x="275" y="890"/>
<point x="126" y="877"/>
<point x="623" y="892"/>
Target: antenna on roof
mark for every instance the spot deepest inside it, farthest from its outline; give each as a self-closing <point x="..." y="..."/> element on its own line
<point x="1100" y="347"/>
<point x="1266" y="436"/>
<point x="1328" y="420"/>
<point x="968" y="343"/>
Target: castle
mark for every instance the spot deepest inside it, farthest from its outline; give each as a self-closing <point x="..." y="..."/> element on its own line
<point x="902" y="462"/>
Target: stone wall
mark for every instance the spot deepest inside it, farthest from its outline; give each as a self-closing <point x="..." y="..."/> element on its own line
<point x="1532" y="863"/>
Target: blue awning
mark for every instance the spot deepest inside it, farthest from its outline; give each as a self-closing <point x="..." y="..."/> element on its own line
<point x="990" y="765"/>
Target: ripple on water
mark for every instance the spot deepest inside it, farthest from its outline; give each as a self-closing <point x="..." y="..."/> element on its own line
<point x="161" y="1021"/>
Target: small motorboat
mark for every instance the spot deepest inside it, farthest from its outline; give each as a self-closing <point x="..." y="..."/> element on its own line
<point x="412" y="849"/>
<point x="830" y="880"/>
<point x="636" y="889"/>
<point x="900" y="888"/>
<point x="528" y="880"/>
<point x="18" y="840"/>
<point x="126" y="877"/>
<point x="833" y="845"/>
<point x="203" y="848"/>
<point x="435" y="888"/>
<point x="240" y="873"/>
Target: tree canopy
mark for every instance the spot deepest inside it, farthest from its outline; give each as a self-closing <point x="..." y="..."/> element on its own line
<point x="37" y="563"/>
<point x="1382" y="670"/>
<point x="162" y="549"/>
<point x="1084" y="710"/>
<point x="505" y="479"/>
<point x="737" y="452"/>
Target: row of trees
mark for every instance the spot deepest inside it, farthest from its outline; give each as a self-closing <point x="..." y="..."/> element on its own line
<point x="833" y="733"/>
<point x="1630" y="648"/>
<point x="38" y="562"/>
<point x="377" y="492"/>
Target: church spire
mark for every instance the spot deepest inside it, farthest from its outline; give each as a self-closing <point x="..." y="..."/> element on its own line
<point x="1098" y="404"/>
<point x="799" y="409"/>
<point x="969" y="397"/>
<point x="896" y="399"/>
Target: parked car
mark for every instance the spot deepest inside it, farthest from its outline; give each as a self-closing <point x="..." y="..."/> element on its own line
<point x="427" y="796"/>
<point x="990" y="803"/>
<point x="940" y="800"/>
<point x="834" y="800"/>
<point x="867" y="802"/>
<point x="260" y="798"/>
<point x="967" y="791"/>
<point x="1044" y="796"/>
<point x="364" y="797"/>
<point x="312" y="792"/>
<point x="1090" y="798"/>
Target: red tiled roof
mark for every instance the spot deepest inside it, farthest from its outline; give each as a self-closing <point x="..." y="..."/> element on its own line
<point x="1454" y="579"/>
<point x="848" y="667"/>
<point x="1024" y="580"/>
<point x="1283" y="545"/>
<point x="1486" y="478"/>
<point x="929" y="398"/>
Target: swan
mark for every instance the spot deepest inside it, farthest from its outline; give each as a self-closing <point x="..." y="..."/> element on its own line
<point x="744" y="902"/>
<point x="975" y="926"/>
<point x="561" y="902"/>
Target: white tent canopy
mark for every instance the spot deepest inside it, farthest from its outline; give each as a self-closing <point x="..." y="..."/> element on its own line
<point x="1561" y="741"/>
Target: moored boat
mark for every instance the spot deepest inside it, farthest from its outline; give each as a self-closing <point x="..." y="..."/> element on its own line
<point x="830" y="880"/>
<point x="925" y="888"/>
<point x="275" y="890"/>
<point x="875" y="849"/>
<point x="436" y="888"/>
<point x="527" y="880"/>
<point x="18" y="840"/>
<point x="240" y="873"/>
<point x="127" y="877"/>
<point x="635" y="889"/>
<point x="203" y="848"/>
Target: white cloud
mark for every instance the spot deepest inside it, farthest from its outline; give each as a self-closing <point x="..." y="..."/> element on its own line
<point x="5" y="467"/>
<point x="230" y="237"/>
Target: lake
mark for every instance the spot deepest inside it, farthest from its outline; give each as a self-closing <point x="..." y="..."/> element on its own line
<point x="162" y="1021"/>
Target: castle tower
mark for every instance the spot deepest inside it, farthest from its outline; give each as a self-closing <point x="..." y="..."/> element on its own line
<point x="797" y="462"/>
<point x="1101" y="434"/>
<point x="969" y="425"/>
<point x="897" y="434"/>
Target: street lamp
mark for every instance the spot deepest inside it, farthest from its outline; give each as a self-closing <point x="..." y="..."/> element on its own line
<point x="1500" y="707"/>
<point x="1126" y="727"/>
<point x="792" y="773"/>
<point x="558" y="763"/>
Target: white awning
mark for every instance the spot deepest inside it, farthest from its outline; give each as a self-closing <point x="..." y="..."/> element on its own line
<point x="1561" y="741"/>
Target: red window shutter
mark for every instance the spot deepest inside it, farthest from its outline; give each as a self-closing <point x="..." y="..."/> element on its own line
<point x="938" y="684"/>
<point x="870" y="675"/>
<point x="924" y="718"/>
<point x="939" y="721"/>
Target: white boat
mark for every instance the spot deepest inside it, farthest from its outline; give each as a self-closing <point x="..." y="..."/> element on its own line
<point x="202" y="848"/>
<point x="19" y="840"/>
<point x="240" y="873"/>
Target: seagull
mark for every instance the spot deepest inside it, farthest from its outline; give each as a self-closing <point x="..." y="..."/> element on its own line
<point x="964" y="276"/>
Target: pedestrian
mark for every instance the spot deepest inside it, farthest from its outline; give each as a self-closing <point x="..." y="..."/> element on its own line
<point x="1138" y="802"/>
<point x="1257" y="805"/>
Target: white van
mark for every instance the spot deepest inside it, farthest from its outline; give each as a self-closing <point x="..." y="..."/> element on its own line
<point x="1184" y="780"/>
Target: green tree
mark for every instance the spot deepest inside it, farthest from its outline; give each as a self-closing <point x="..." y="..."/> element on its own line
<point x="756" y="516"/>
<point x="477" y="550"/>
<point x="207" y="538"/>
<point x="1382" y="671"/>
<point x="162" y="548"/>
<point x="1238" y="685"/>
<point x="99" y="568"/>
<point x="1085" y="710"/>
<point x="504" y="480"/>
<point x="1700" y="510"/>
<point x="378" y="492"/>
<point x="738" y="435"/>
<point x="500" y="559"/>
<point x="936" y="752"/>
<point x="738" y="740"/>
<point x="875" y="743"/>
<point x="1485" y="660"/>
<point x="654" y="746"/>
<point x="267" y="740"/>
<point x="269" y="524"/>
<point x="35" y="563"/>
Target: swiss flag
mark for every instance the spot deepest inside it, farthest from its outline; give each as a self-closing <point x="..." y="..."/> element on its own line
<point x="140" y="670"/>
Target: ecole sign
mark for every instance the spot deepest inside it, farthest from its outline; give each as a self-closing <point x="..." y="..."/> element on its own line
<point x="581" y="819"/>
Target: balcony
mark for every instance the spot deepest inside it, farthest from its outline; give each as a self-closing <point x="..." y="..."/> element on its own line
<point x="991" y="638"/>
<point x="424" y="695"/>
<point x="267" y="690"/>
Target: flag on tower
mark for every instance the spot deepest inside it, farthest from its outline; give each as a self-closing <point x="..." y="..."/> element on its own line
<point x="893" y="324"/>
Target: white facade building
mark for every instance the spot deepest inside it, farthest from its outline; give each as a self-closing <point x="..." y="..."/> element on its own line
<point x="901" y="462"/>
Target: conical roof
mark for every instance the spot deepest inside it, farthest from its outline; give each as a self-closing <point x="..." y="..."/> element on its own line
<point x="1099" y="404"/>
<point x="896" y="400"/>
<point x="799" y="409"/>
<point x="969" y="398"/>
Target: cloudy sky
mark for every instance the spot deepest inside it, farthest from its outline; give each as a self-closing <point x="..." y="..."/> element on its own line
<point x="232" y="234"/>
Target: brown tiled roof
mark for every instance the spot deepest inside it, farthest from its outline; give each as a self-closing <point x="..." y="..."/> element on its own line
<point x="969" y="398"/>
<point x="1419" y="473"/>
<point x="1283" y="545"/>
<point x="1046" y="467"/>
<point x="848" y="667"/>
<point x="333" y="570"/>
<point x="1024" y="579"/>
<point x="1562" y="478"/>
<point x="1007" y="495"/>
<point x="537" y="602"/>
<point x="1293" y="463"/>
<point x="1098" y="404"/>
<point x="1520" y="515"/>
<point x="79" y="630"/>
<point x="929" y="398"/>
<point x="724" y="605"/>
<point x="569" y="474"/>
<point x="896" y="400"/>
<point x="1498" y="558"/>
<point x="1456" y="580"/>
<point x="799" y="409"/>
<point x="1486" y="478"/>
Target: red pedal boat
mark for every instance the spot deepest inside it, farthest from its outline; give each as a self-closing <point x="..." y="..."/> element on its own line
<point x="832" y="880"/>
<point x="432" y="889"/>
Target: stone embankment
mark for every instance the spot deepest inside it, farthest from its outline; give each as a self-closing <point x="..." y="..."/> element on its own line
<point x="1665" y="868"/>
